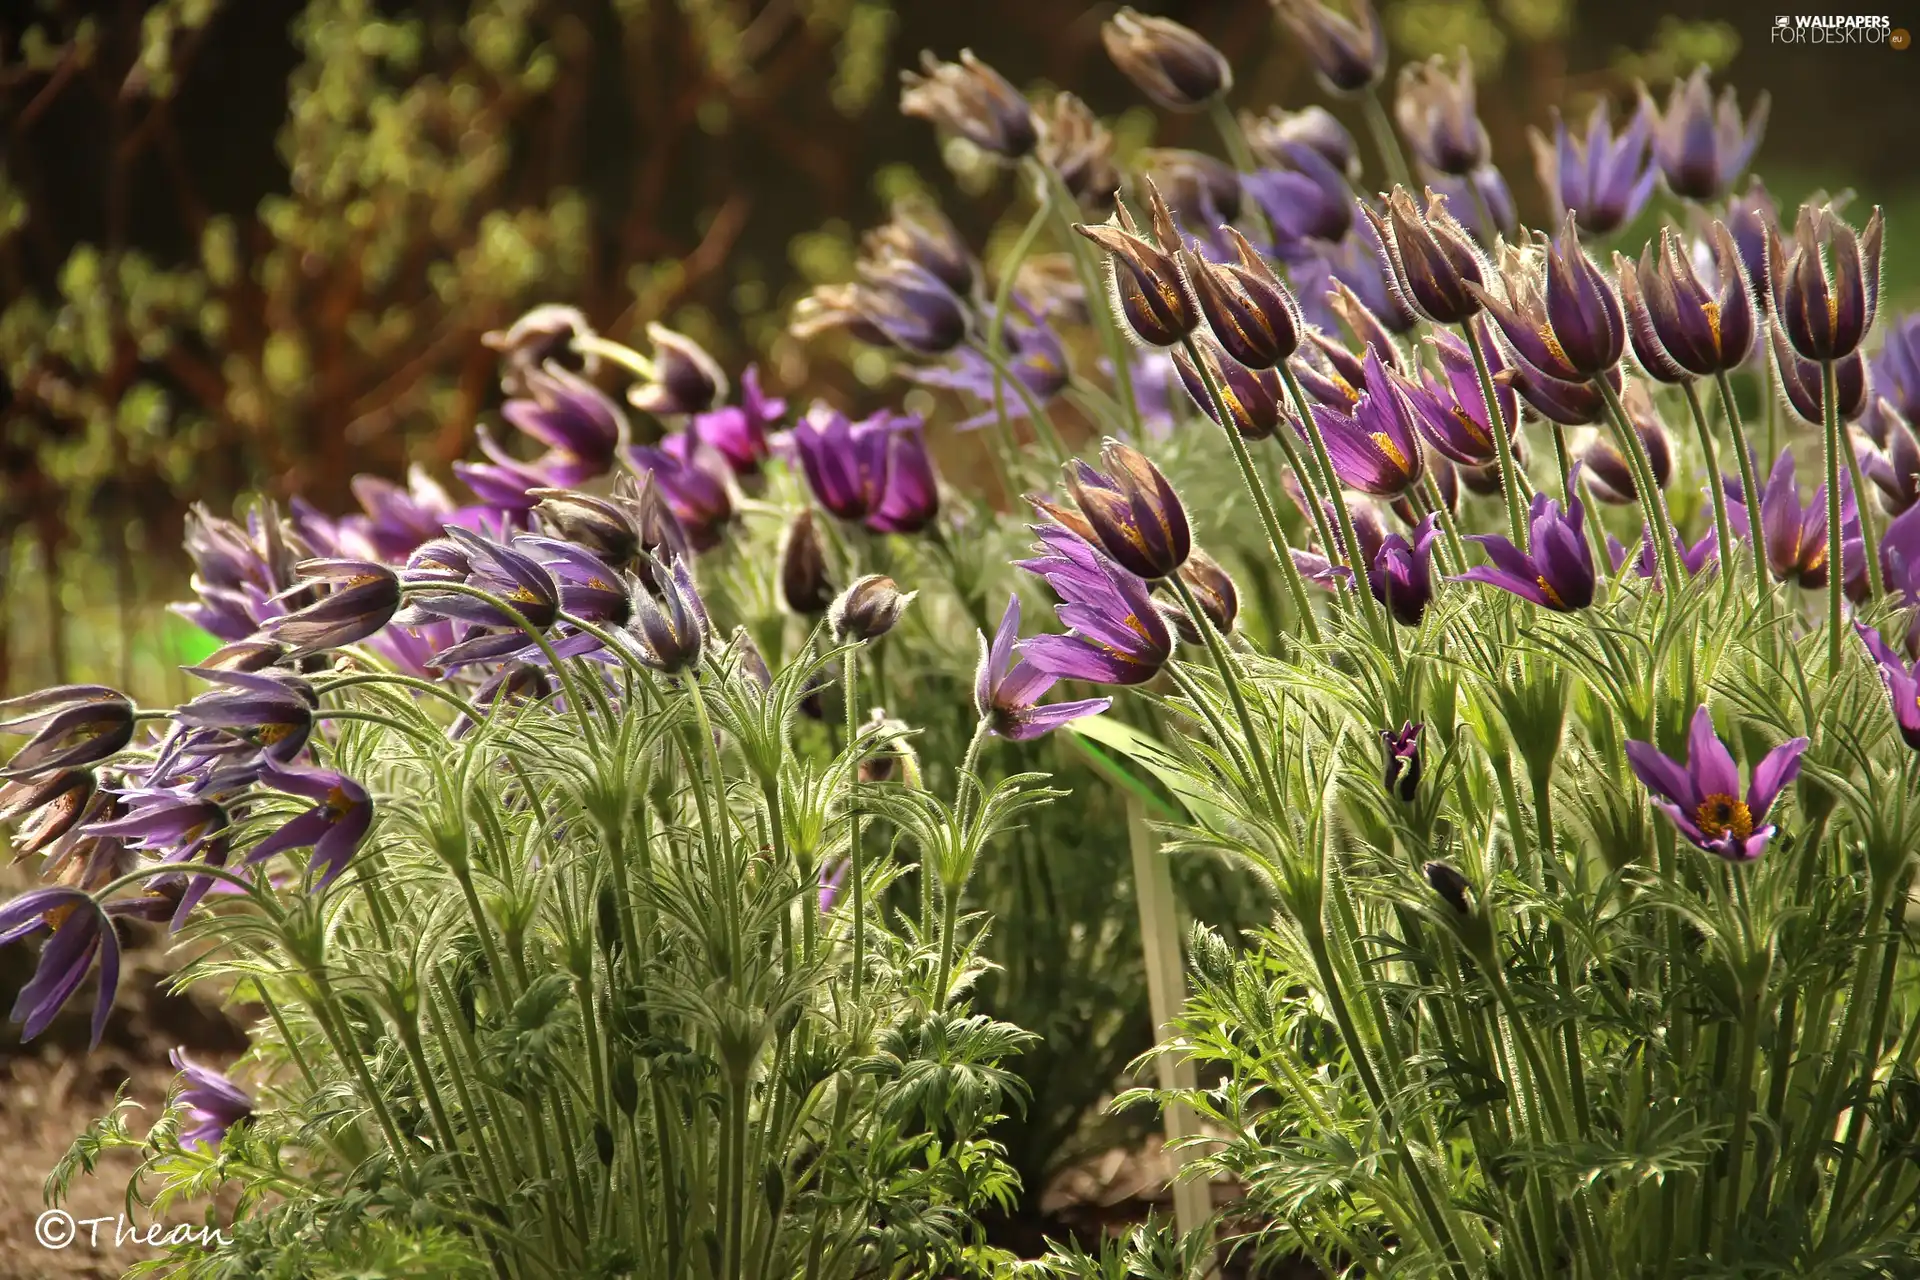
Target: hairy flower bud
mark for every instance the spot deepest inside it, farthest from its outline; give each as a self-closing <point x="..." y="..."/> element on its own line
<point x="1450" y="885"/>
<point x="868" y="609"/>
<point x="1250" y="313"/>
<point x="1149" y="290"/>
<point x="971" y="99"/>
<point x="804" y="585"/>
<point x="1170" y="63"/>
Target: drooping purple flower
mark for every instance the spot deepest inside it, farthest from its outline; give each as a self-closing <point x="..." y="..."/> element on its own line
<point x="1681" y="326"/>
<point x="1702" y="797"/>
<point x="912" y="307"/>
<point x="577" y="422"/>
<point x="845" y="463"/>
<point x="1376" y="448"/>
<point x="362" y="597"/>
<point x="669" y="628"/>
<point x="1564" y="320"/>
<point x="604" y="526"/>
<point x="1349" y="54"/>
<point x="590" y="588"/>
<point x="1007" y="688"/>
<point x="685" y="380"/>
<point x="1896" y="370"/>
<point x="1826" y="293"/>
<point x="1797" y="545"/>
<point x="738" y="432"/>
<point x="1701" y="146"/>
<point x="542" y="336"/>
<point x="1133" y="512"/>
<point x="333" y="828"/>
<point x="1611" y="473"/>
<point x="1557" y="572"/>
<point x="1314" y="125"/>
<point x="398" y="520"/>
<point x="1693" y="559"/>
<point x="1402" y="774"/>
<point x="503" y="483"/>
<point x="1034" y="356"/>
<point x="272" y="714"/>
<point x="1115" y="634"/>
<point x="1304" y="195"/>
<point x="70" y="725"/>
<point x="692" y="480"/>
<point x="1249" y="312"/>
<point x="1468" y="195"/>
<point x="1253" y="397"/>
<point x="1170" y="63"/>
<point x="1571" y="404"/>
<point x="44" y="807"/>
<point x="522" y="582"/>
<point x="1399" y="572"/>
<point x="81" y="932"/>
<point x="1452" y="414"/>
<point x="214" y="1104"/>
<point x="973" y="100"/>
<point x="1894" y="468"/>
<point x="1435" y="109"/>
<point x="1604" y="180"/>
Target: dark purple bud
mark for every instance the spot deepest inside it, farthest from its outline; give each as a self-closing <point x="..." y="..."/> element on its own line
<point x="1800" y="381"/>
<point x="1172" y="64"/>
<point x="1252" y="396"/>
<point x="1213" y="589"/>
<point x="685" y="378"/>
<point x="1452" y="887"/>
<point x="1401" y="574"/>
<point x="68" y="726"/>
<point x="1561" y="317"/>
<point x="1402" y="776"/>
<point x="1150" y="292"/>
<point x="1348" y="54"/>
<point x="1826" y="293"/>
<point x="543" y="335"/>
<point x="868" y="609"/>
<point x="670" y="626"/>
<point x="1075" y="145"/>
<point x="600" y="525"/>
<point x="804" y="585"/>
<point x="1702" y="146"/>
<point x="1135" y="515"/>
<point x="1435" y="110"/>
<point x="971" y="99"/>
<point x="1431" y="261"/>
<point x="1248" y="310"/>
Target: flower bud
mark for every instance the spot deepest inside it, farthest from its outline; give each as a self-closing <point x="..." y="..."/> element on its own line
<point x="1149" y="291"/>
<point x="1251" y="314"/>
<point x="973" y="100"/>
<point x="1134" y="514"/>
<point x="685" y="378"/>
<point x="1402" y="777"/>
<point x="596" y="524"/>
<point x="1252" y="396"/>
<point x="1450" y="885"/>
<point x="1172" y="64"/>
<point x="804" y="585"/>
<point x="868" y="609"/>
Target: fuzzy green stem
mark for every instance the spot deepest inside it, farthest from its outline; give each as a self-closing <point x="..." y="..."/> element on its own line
<point x="1384" y="139"/>
<point x="856" y="865"/>
<point x="1722" y="530"/>
<point x="1652" y="505"/>
<point x="1749" y="486"/>
<point x="1836" y="559"/>
<point x="1337" y="495"/>
<point x="1502" y="436"/>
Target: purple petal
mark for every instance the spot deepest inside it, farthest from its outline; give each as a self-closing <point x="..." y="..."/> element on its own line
<point x="1780" y="767"/>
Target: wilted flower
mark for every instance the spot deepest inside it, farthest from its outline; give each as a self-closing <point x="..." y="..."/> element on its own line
<point x="1268" y="137"/>
<point x="1564" y="321"/>
<point x="1172" y="64"/>
<point x="1134" y="514"/>
<point x="685" y="378"/>
<point x="1115" y="634"/>
<point x="71" y="725"/>
<point x="1703" y="795"/>
<point x="1826" y="293"/>
<point x="1375" y="449"/>
<point x="973" y="100"/>
<point x="868" y="608"/>
<point x="1680" y="326"/>
<point x="1149" y="290"/>
<point x="1702" y="146"/>
<point x="1802" y="387"/>
<point x="1902" y="681"/>
<point x="1248" y="310"/>
<point x="81" y="931"/>
<point x="1007" y="689"/>
<point x="580" y="426"/>
<point x="804" y="584"/>
<point x="1603" y="180"/>
<point x="541" y="337"/>
<point x="45" y="806"/>
<point x="1402" y="775"/>
<point x="1252" y="396"/>
<point x="1436" y="112"/>
<point x="1349" y="54"/>
<point x="1557" y="572"/>
<point x="1431" y="260"/>
<point x="1077" y="147"/>
<point x="214" y="1103"/>
<point x="333" y="828"/>
<point x="668" y="630"/>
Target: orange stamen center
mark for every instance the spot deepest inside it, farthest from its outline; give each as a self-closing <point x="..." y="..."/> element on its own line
<point x="1546" y="589"/>
<point x="1719" y="814"/>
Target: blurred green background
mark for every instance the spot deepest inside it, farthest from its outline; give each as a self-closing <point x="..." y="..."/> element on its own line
<point x="251" y="244"/>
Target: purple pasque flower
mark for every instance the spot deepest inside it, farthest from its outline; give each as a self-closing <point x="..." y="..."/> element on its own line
<point x="1313" y="125"/>
<point x="1466" y="194"/>
<point x="685" y="380"/>
<point x="1248" y="311"/>
<point x="590" y="588"/>
<point x="912" y="307"/>
<point x="971" y="99"/>
<point x="81" y="932"/>
<point x="1803" y="389"/>
<point x="1693" y="559"/>
<point x="503" y="483"/>
<point x="511" y="683"/>
<point x="361" y="598"/>
<point x="44" y="807"/>
<point x="910" y="500"/>
<point x="1376" y="448"/>
<point x="1894" y="467"/>
<point x="268" y="712"/>
<point x="1401" y="777"/>
<point x="1202" y="191"/>
<point x="214" y="1103"/>
<point x="70" y="725"/>
<point x="333" y="828"/>
<point x="1682" y="327"/>
<point x="1150" y="293"/>
<point x="1435" y="109"/>
<point x="1452" y="413"/>
<point x="1007" y="688"/>
<point x="1560" y="316"/>
<point x="1571" y="404"/>
<point x="738" y="432"/>
<point x="1304" y="195"/>
<point x="1133" y="513"/>
<point x="669" y="627"/>
<point x="1079" y="148"/>
<point x="1826" y="293"/>
<point x="397" y="519"/>
<point x="1752" y="216"/>
<point x="1611" y="473"/>
<point x="1603" y="180"/>
<point x="916" y="231"/>
<point x="1115" y="635"/>
<point x="1701" y="146"/>
<point x="1557" y="571"/>
<point x="1349" y="54"/>
<point x="1430" y="258"/>
<point x="1253" y="397"/>
<point x="830" y="879"/>
<point x="1896" y="370"/>
<point x="1703" y="795"/>
<point x="1034" y="356"/>
<point x="579" y="424"/>
<point x="1399" y="572"/>
<point x="542" y="336"/>
<point x="1797" y="544"/>
<point x="522" y="582"/>
<point x="1170" y="63"/>
<point x="1902" y="681"/>
<point x="876" y="471"/>
<point x="693" y="480"/>
<point x="181" y="824"/>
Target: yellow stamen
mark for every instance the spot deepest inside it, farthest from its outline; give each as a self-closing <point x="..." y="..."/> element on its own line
<point x="1553" y="345"/>
<point x="339" y="804"/>
<point x="1392" y="450"/>
<point x="1720" y="813"/>
<point x="1546" y="589"/>
<point x="1713" y="320"/>
<point x="1472" y="428"/>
